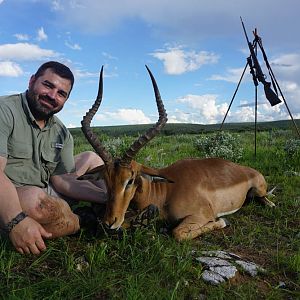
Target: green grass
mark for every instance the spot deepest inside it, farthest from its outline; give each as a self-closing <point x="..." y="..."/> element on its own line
<point x="147" y="264"/>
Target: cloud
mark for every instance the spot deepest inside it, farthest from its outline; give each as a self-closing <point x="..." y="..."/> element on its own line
<point x="73" y="46"/>
<point x="10" y="69"/>
<point x="233" y="75"/>
<point x="25" y="52"/>
<point x="286" y="65"/>
<point x="204" y="108"/>
<point x="41" y="35"/>
<point x="124" y="116"/>
<point x="177" y="61"/>
<point x="1" y="1"/>
<point x="56" y="5"/>
<point x="109" y="56"/>
<point x="182" y="19"/>
<point x="21" y="37"/>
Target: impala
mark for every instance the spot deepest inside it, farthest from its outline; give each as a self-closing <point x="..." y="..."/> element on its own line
<point x="192" y="193"/>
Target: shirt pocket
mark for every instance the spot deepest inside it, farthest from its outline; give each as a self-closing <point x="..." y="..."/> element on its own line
<point x="19" y="153"/>
<point x="51" y="156"/>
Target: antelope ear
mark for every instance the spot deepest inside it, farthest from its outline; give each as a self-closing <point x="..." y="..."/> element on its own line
<point x="153" y="175"/>
<point x="94" y="174"/>
<point x="156" y="178"/>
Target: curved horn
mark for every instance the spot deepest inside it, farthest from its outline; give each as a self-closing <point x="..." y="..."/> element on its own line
<point x="151" y="132"/>
<point x="86" y="122"/>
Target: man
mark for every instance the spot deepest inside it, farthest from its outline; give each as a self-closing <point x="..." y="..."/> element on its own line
<point x="37" y="167"/>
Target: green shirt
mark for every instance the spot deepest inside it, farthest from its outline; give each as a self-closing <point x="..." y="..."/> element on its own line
<point x="33" y="154"/>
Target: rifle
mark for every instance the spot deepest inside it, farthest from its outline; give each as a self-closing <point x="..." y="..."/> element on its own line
<point x="258" y="73"/>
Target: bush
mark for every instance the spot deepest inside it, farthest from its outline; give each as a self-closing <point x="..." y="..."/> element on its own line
<point x="117" y="146"/>
<point x="221" y="144"/>
<point x="292" y="147"/>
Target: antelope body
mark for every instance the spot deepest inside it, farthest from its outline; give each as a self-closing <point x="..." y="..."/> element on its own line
<point x="193" y="192"/>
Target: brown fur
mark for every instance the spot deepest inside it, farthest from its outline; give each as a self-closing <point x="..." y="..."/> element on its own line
<point x="195" y="192"/>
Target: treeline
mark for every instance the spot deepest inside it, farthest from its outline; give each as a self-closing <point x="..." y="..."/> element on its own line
<point x="184" y="128"/>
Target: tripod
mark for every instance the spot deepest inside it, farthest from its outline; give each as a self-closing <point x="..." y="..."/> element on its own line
<point x="253" y="64"/>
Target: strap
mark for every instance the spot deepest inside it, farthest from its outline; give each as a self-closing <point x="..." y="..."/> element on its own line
<point x="16" y="220"/>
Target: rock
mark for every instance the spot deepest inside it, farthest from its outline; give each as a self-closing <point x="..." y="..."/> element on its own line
<point x="213" y="261"/>
<point x="226" y="272"/>
<point x="220" y="266"/>
<point x="249" y="267"/>
<point x="212" y="277"/>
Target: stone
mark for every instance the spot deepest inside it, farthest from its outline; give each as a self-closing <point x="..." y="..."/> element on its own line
<point x="220" y="266"/>
<point x="212" y="277"/>
<point x="212" y="261"/>
<point x="249" y="267"/>
<point x="226" y="272"/>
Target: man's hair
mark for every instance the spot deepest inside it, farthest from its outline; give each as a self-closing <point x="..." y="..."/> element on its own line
<point x="58" y="68"/>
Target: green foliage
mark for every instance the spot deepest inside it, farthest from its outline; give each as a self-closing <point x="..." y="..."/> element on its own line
<point x="147" y="264"/>
<point x="292" y="147"/>
<point x="221" y="144"/>
<point x="117" y="146"/>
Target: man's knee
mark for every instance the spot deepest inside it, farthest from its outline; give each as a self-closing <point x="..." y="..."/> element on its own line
<point x="38" y="204"/>
<point x="86" y="161"/>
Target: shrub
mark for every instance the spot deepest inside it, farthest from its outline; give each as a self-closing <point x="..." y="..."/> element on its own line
<point x="292" y="147"/>
<point x="221" y="144"/>
<point x="117" y="146"/>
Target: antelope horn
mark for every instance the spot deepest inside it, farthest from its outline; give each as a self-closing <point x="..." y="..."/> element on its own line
<point x="86" y="122"/>
<point x="151" y="132"/>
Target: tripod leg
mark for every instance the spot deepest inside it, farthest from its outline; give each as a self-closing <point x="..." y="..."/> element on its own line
<point x="221" y="127"/>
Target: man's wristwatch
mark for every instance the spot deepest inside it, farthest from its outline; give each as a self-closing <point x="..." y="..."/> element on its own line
<point x="16" y="220"/>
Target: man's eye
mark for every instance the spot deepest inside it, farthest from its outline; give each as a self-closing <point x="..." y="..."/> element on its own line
<point x="47" y="85"/>
<point x="63" y="95"/>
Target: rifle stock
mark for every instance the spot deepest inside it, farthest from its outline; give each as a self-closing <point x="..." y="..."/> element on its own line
<point x="259" y="75"/>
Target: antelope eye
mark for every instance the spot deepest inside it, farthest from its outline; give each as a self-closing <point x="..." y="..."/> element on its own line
<point x="130" y="181"/>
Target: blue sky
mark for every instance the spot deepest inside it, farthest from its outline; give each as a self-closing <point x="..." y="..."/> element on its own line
<point x="196" y="50"/>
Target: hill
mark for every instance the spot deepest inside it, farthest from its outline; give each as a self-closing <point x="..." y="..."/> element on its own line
<point x="186" y="128"/>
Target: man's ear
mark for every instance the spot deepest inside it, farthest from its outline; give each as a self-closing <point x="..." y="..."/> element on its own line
<point x="31" y="81"/>
<point x="94" y="174"/>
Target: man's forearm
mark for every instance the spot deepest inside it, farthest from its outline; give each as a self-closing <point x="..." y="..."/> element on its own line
<point x="10" y="205"/>
<point x="80" y="190"/>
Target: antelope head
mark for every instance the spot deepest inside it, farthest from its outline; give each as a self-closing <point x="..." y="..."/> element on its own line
<point x="122" y="175"/>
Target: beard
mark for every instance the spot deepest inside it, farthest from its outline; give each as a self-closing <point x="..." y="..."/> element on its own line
<point x="38" y="110"/>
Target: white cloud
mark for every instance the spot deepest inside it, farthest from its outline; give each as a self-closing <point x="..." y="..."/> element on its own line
<point x="204" y="107"/>
<point x="1" y="1"/>
<point x="56" y="5"/>
<point x="41" y="35"/>
<point x="109" y="56"/>
<point x="177" y="61"/>
<point x="286" y="63"/>
<point x="124" y="116"/>
<point x="265" y="112"/>
<point x="25" y="51"/>
<point x="233" y="75"/>
<point x="71" y="125"/>
<point x="21" y="37"/>
<point x="10" y="69"/>
<point x="73" y="46"/>
<point x="183" y="19"/>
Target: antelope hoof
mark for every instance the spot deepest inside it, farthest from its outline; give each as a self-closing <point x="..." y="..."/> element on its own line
<point x="226" y="222"/>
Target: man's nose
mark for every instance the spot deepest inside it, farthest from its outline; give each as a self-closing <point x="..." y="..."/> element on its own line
<point x="52" y="94"/>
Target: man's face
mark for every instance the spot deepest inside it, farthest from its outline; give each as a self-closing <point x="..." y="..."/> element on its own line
<point x="47" y="94"/>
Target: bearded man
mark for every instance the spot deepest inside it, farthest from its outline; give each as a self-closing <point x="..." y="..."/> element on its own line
<point x="37" y="168"/>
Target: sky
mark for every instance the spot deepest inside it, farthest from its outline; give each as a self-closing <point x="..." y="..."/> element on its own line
<point x="196" y="50"/>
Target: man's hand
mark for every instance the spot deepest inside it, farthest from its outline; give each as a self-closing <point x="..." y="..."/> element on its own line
<point x="27" y="237"/>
